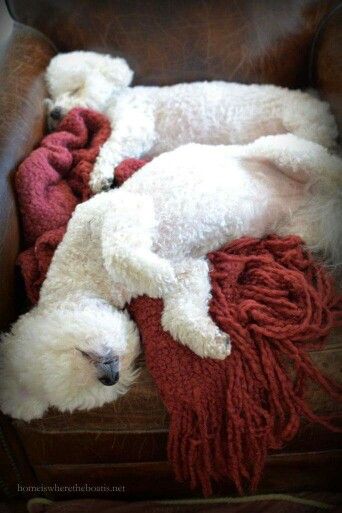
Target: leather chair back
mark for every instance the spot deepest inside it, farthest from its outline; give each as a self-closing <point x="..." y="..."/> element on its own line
<point x="168" y="41"/>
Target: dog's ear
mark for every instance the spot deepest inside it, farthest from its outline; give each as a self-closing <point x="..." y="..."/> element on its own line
<point x="117" y="71"/>
<point x="66" y="72"/>
<point x="97" y="90"/>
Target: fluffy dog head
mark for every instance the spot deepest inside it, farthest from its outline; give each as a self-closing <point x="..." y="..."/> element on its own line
<point x="66" y="358"/>
<point x="83" y="79"/>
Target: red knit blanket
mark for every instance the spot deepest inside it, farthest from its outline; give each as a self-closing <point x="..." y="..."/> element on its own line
<point x="273" y="299"/>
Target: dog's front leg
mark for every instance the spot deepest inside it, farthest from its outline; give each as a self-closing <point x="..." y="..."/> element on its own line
<point x="127" y="246"/>
<point x="186" y="314"/>
<point x="132" y="136"/>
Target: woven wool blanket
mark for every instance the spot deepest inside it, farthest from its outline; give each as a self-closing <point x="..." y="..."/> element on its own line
<point x="273" y="299"/>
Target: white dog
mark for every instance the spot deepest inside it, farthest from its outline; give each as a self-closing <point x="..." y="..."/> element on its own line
<point x="147" y="121"/>
<point x="151" y="237"/>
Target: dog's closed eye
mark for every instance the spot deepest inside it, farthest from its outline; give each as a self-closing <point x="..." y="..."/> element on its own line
<point x="107" y="368"/>
<point x="97" y="358"/>
<point x="75" y="91"/>
<point x="92" y="357"/>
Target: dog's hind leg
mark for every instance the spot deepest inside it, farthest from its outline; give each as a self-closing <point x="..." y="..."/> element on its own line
<point x="127" y="246"/>
<point x="186" y="314"/>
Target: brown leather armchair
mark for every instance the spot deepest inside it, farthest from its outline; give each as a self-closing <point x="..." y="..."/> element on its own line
<point x="293" y="43"/>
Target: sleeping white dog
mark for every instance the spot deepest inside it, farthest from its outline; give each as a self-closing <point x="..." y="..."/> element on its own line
<point x="147" y="121"/>
<point x="151" y="236"/>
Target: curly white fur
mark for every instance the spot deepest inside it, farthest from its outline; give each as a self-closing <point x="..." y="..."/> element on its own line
<point x="147" y="121"/>
<point x="151" y="237"/>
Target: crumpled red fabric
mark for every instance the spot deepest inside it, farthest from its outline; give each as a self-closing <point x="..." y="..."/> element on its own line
<point x="272" y="298"/>
<point x="49" y="183"/>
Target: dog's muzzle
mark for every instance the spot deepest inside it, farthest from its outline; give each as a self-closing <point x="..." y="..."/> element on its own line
<point x="56" y="113"/>
<point x="109" y="373"/>
<point x="54" y="117"/>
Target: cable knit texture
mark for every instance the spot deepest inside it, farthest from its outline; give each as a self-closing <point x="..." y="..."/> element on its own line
<point x="275" y="301"/>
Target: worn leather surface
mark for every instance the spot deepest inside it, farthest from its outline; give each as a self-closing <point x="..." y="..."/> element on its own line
<point x="175" y="40"/>
<point x="318" y="471"/>
<point x="23" y="58"/>
<point x="327" y="58"/>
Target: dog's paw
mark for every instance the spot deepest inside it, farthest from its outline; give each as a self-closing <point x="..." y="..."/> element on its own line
<point x="205" y="341"/>
<point x="218" y="348"/>
<point x="100" y="183"/>
<point x="102" y="176"/>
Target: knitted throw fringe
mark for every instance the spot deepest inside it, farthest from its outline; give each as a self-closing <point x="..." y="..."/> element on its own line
<point x="276" y="303"/>
<point x="273" y="299"/>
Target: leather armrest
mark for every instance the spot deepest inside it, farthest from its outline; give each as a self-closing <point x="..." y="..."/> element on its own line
<point x="327" y="59"/>
<point x="23" y="58"/>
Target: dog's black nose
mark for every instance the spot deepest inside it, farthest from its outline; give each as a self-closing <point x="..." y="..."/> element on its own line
<point x="56" y="113"/>
<point x="109" y="381"/>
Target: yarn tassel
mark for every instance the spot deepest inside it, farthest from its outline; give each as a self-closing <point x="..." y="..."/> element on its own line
<point x="276" y="303"/>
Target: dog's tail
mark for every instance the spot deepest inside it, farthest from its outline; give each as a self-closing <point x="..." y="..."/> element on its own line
<point x="310" y="118"/>
<point x="323" y="214"/>
<point x="319" y="219"/>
